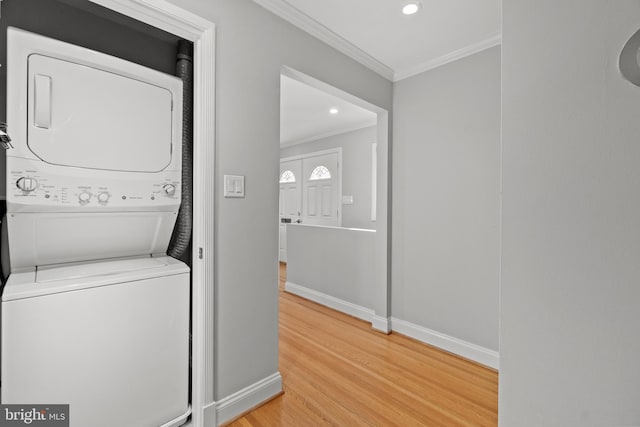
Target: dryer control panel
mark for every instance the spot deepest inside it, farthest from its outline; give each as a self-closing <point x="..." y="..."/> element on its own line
<point x="72" y="189"/>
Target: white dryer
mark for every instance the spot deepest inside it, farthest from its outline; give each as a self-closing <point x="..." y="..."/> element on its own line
<point x="95" y="168"/>
<point x="93" y="314"/>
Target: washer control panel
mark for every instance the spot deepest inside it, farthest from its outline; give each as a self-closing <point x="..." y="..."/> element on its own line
<point x="29" y="188"/>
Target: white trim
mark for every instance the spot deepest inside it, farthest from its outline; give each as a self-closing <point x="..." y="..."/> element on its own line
<point x="209" y="415"/>
<point x="381" y="324"/>
<point x="248" y="398"/>
<point x="294" y="16"/>
<point x="382" y="284"/>
<point x="374" y="180"/>
<point x="449" y="57"/>
<point x="342" y="306"/>
<point x="203" y="216"/>
<point x="161" y="14"/>
<point x="170" y="18"/>
<point x="331" y="90"/>
<point x="382" y="262"/>
<point x="365" y="230"/>
<point x="451" y="344"/>
<point x="500" y="219"/>
<point x="337" y="150"/>
<point x="329" y="134"/>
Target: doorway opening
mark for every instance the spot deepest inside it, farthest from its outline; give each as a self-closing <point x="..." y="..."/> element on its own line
<point x="333" y="198"/>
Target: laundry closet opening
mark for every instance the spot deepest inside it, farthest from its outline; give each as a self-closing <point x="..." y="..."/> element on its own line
<point x="97" y="194"/>
<point x="332" y="243"/>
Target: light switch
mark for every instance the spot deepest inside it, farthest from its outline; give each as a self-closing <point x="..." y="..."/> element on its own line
<point x="347" y="200"/>
<point x="233" y="186"/>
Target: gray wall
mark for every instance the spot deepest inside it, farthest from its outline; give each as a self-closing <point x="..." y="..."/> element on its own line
<point x="93" y="27"/>
<point x="446" y="163"/>
<point x="251" y="47"/>
<point x="356" y="171"/>
<point x="570" y="295"/>
<point x="349" y="253"/>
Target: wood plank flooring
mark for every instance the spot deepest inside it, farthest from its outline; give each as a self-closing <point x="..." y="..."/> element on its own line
<point x="338" y="372"/>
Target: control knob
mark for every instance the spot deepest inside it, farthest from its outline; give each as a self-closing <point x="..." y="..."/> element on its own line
<point x="103" y="197"/>
<point x="27" y="184"/>
<point x="84" y="197"/>
<point x="169" y="189"/>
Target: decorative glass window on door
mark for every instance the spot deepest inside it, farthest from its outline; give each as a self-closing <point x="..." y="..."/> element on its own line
<point x="320" y="172"/>
<point x="287" y="177"/>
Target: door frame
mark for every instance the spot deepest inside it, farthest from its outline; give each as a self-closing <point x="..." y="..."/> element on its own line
<point x="282" y="230"/>
<point x="381" y="320"/>
<point x="170" y="18"/>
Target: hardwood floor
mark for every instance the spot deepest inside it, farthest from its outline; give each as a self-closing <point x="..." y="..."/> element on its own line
<point x="338" y="372"/>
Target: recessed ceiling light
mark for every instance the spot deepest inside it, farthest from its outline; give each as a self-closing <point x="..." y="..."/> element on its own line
<point x="411" y="7"/>
<point x="333" y="111"/>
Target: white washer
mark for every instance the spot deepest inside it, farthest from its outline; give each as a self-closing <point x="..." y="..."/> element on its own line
<point x="111" y="339"/>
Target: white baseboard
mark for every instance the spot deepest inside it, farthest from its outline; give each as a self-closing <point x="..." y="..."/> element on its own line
<point x="248" y="398"/>
<point x="457" y="346"/>
<point x="454" y="345"/>
<point x="381" y="324"/>
<point x="209" y="415"/>
<point x="351" y="309"/>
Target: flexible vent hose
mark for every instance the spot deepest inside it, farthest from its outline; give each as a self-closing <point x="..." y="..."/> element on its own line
<point x="180" y="245"/>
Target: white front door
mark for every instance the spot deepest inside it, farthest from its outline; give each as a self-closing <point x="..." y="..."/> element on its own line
<point x="290" y="200"/>
<point x="321" y="188"/>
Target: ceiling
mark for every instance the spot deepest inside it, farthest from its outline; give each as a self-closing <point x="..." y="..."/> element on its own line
<point x="397" y="46"/>
<point x="305" y="116"/>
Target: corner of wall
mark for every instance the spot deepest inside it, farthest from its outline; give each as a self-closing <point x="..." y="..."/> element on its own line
<point x="249" y="398"/>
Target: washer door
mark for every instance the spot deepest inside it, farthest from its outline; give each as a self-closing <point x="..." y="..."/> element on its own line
<point x="85" y="117"/>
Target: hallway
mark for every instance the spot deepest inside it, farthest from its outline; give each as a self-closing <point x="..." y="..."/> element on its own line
<point x="338" y="371"/>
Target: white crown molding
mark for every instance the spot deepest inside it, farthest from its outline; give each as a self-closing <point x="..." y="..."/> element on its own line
<point x="294" y="16"/>
<point x="449" y="57"/>
<point x="298" y="18"/>
<point x="161" y="14"/>
<point x="329" y="134"/>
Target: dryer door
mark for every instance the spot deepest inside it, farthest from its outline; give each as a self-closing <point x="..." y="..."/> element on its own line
<point x="84" y="117"/>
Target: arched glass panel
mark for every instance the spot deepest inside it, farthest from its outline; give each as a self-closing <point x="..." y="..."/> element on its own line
<point x="287" y="177"/>
<point x="320" y="172"/>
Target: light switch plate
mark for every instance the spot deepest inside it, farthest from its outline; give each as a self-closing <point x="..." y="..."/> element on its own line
<point x="347" y="200"/>
<point x="234" y="186"/>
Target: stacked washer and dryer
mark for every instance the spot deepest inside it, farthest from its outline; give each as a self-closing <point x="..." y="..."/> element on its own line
<point x="93" y="313"/>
